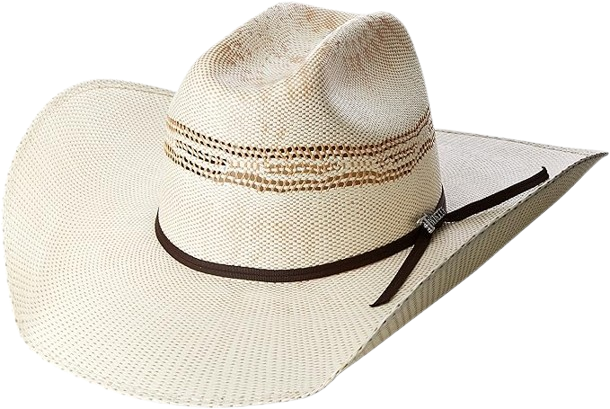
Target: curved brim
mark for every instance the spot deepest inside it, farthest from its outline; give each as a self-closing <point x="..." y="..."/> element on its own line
<point x="95" y="293"/>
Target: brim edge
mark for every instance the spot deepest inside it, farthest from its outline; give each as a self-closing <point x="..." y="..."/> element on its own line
<point x="594" y="156"/>
<point x="591" y="160"/>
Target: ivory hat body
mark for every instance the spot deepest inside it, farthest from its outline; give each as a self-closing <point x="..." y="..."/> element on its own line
<point x="305" y="137"/>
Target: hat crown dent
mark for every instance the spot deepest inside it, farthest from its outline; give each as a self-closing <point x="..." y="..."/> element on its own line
<point x="302" y="138"/>
<point x="358" y="75"/>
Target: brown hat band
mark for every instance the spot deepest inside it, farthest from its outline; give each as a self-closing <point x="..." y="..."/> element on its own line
<point x="419" y="238"/>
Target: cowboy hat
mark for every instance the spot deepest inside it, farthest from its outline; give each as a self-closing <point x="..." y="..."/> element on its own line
<point x="232" y="243"/>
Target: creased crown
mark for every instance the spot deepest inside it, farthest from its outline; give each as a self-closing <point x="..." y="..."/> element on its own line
<point x="302" y="138"/>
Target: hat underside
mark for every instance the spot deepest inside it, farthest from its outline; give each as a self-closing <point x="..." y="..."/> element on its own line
<point x="95" y="293"/>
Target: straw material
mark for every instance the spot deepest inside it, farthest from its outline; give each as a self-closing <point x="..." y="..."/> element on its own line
<point x="304" y="129"/>
<point x="95" y="293"/>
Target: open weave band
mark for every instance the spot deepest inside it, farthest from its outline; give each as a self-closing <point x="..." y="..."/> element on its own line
<point x="295" y="168"/>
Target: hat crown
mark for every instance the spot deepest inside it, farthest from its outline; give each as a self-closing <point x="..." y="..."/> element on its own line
<point x="297" y="75"/>
<point x="302" y="138"/>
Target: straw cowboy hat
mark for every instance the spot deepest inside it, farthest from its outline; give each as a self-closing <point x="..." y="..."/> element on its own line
<point x="247" y="238"/>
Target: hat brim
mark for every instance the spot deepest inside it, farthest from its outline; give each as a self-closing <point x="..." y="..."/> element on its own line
<point x="95" y="293"/>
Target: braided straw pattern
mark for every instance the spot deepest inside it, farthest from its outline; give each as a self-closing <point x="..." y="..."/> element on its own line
<point x="94" y="292"/>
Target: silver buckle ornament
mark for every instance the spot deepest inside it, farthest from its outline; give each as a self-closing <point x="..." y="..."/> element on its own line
<point x="430" y="221"/>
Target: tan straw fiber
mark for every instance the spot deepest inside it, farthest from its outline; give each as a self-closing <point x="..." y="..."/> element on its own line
<point x="303" y="138"/>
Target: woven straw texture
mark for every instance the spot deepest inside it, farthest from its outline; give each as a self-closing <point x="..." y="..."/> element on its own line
<point x="95" y="293"/>
<point x="304" y="129"/>
<point x="282" y="153"/>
